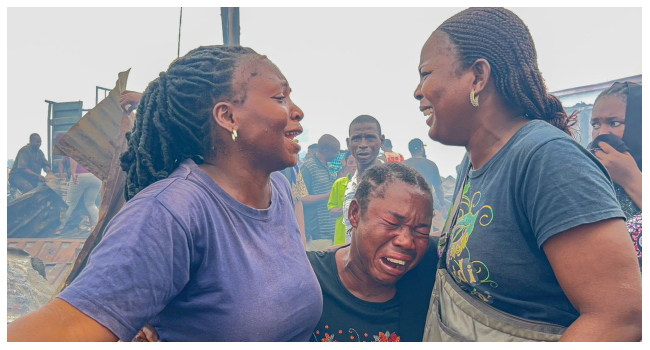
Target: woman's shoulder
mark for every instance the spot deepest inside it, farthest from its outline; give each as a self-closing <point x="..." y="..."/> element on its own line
<point x="538" y="132"/>
<point x="539" y="138"/>
<point x="174" y="192"/>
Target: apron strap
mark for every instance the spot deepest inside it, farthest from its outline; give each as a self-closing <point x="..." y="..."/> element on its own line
<point x="443" y="244"/>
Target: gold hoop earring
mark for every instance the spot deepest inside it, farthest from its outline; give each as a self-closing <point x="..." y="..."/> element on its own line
<point x="473" y="99"/>
<point x="234" y="135"/>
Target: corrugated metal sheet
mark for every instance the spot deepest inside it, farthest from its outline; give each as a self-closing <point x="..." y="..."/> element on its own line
<point x="58" y="254"/>
<point x="91" y="141"/>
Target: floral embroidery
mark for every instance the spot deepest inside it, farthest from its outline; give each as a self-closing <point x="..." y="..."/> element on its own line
<point x="328" y="338"/>
<point x="354" y="336"/>
<point x="634" y="226"/>
<point x="387" y="337"/>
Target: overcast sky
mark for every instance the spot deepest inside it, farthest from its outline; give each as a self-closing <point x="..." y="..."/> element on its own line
<point x="340" y="62"/>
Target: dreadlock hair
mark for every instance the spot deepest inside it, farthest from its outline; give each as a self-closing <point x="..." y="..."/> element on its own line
<point x="174" y="117"/>
<point x="500" y="37"/>
<point x="618" y="90"/>
<point x="376" y="177"/>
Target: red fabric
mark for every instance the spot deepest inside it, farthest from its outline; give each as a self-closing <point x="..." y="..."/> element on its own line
<point x="393" y="157"/>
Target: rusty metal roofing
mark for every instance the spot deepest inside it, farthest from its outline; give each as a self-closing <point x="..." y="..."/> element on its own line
<point x="58" y="254"/>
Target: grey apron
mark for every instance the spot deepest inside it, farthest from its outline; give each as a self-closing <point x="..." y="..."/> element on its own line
<point x="454" y="315"/>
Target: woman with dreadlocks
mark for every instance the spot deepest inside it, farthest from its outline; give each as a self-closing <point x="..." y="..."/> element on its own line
<point x="207" y="247"/>
<point x="535" y="247"/>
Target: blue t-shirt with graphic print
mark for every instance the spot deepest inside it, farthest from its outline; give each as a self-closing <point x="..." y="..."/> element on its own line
<point x="539" y="184"/>
<point x="198" y="265"/>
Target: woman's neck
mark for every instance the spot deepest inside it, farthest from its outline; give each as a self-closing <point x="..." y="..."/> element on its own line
<point x="358" y="282"/>
<point x="243" y="182"/>
<point x="491" y="135"/>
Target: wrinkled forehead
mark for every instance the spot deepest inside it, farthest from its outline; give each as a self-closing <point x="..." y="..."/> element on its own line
<point x="395" y="195"/>
<point x="364" y="128"/>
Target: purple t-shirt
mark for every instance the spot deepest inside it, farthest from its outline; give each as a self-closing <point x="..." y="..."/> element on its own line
<point x="186" y="257"/>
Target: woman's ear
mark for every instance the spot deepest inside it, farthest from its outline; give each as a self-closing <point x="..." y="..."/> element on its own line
<point x="222" y="113"/>
<point x="482" y="70"/>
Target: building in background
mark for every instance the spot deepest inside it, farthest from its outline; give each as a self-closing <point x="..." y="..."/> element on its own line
<point x="582" y="98"/>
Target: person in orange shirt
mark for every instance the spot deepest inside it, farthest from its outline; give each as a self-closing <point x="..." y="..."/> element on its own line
<point x="389" y="156"/>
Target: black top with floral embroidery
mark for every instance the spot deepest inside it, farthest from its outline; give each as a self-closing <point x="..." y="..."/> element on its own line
<point x="350" y="319"/>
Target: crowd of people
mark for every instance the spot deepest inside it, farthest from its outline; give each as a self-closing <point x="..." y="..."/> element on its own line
<point x="325" y="187"/>
<point x="209" y="245"/>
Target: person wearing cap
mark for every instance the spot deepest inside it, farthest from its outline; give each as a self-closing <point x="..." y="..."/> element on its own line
<point x="427" y="168"/>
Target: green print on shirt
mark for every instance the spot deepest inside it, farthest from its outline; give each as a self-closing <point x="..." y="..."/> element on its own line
<point x="467" y="272"/>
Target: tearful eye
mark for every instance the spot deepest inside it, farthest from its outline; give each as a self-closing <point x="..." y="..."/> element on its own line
<point x="393" y="225"/>
<point x="422" y="232"/>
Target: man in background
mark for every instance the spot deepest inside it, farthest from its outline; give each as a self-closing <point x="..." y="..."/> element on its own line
<point x="389" y="156"/>
<point x="364" y="141"/>
<point x="25" y="174"/>
<point x="427" y="168"/>
<point x="319" y="224"/>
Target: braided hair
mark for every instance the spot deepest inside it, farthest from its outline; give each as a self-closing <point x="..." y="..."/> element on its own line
<point x="174" y="120"/>
<point x="373" y="181"/>
<point x="617" y="89"/>
<point x="500" y="37"/>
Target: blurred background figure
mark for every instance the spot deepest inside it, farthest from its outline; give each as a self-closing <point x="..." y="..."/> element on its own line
<point x="25" y="173"/>
<point x="319" y="225"/>
<point x="298" y="191"/>
<point x="311" y="151"/>
<point x="336" y="165"/>
<point x="84" y="185"/>
<point x="429" y="170"/>
<point x="337" y="196"/>
<point x="389" y="156"/>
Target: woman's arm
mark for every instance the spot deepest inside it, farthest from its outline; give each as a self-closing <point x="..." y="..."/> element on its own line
<point x="597" y="268"/>
<point x="58" y="321"/>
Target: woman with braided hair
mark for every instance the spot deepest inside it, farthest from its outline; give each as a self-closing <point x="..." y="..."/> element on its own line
<point x="535" y="247"/>
<point x="207" y="247"/>
<point x="616" y="132"/>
